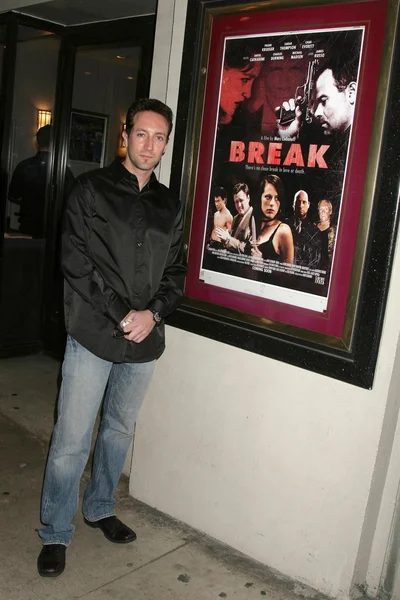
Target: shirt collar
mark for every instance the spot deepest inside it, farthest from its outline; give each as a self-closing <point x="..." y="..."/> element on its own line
<point x="120" y="172"/>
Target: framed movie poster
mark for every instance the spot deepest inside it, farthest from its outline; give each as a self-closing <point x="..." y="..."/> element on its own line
<point x="87" y="141"/>
<point x="287" y="139"/>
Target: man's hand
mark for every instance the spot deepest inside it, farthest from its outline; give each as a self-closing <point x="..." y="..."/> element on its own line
<point x="223" y="234"/>
<point x="292" y="129"/>
<point x="137" y="325"/>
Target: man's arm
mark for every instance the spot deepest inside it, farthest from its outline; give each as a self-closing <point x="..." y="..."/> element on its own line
<point x="170" y="292"/>
<point x="231" y="243"/>
<point x="238" y="238"/>
<point x="77" y="264"/>
<point x="235" y="245"/>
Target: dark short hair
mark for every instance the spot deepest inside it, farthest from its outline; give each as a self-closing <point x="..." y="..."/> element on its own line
<point x="44" y="136"/>
<point x="344" y="62"/>
<point x="241" y="187"/>
<point x="143" y="104"/>
<point x="220" y="192"/>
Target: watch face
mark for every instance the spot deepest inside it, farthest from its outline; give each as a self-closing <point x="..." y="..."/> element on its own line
<point x="157" y="317"/>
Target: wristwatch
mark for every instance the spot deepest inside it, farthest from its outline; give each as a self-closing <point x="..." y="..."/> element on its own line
<point x="157" y="318"/>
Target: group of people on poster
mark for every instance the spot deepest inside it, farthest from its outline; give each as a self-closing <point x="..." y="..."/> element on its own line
<point x="286" y="108"/>
<point x="261" y="232"/>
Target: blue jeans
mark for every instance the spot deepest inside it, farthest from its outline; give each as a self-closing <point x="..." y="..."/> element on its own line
<point x="85" y="379"/>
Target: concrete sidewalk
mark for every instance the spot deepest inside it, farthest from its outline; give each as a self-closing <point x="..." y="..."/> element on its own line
<point x="169" y="560"/>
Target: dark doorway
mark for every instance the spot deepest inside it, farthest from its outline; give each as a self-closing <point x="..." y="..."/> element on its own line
<point x="80" y="81"/>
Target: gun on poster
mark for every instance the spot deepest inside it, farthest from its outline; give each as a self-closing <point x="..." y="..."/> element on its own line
<point x="303" y="103"/>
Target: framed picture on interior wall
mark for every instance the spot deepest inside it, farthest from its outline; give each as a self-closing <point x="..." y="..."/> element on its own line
<point x="285" y="109"/>
<point x="87" y="141"/>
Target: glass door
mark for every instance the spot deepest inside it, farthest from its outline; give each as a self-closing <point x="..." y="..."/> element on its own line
<point x="105" y="81"/>
<point x="62" y="110"/>
<point x="27" y="155"/>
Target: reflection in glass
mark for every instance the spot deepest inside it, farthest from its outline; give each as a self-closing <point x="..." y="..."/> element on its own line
<point x="28" y="170"/>
<point x="30" y="152"/>
<point x="27" y="188"/>
<point x="105" y="82"/>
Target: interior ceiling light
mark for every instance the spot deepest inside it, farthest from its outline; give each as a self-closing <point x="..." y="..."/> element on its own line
<point x="43" y="118"/>
<point x="121" y="57"/>
<point x="87" y="73"/>
<point x="129" y="77"/>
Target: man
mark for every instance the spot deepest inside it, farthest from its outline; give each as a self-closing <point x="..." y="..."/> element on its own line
<point x="327" y="233"/>
<point x="28" y="185"/>
<point x="222" y="217"/>
<point x="335" y="97"/>
<point x="123" y="266"/>
<point x="241" y="67"/>
<point x="307" y="241"/>
<point x="238" y="239"/>
<point x="335" y="93"/>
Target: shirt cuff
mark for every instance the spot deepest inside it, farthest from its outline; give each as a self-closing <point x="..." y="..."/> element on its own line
<point x="157" y="305"/>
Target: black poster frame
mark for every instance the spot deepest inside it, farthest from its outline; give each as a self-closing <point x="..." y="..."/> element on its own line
<point x="356" y="366"/>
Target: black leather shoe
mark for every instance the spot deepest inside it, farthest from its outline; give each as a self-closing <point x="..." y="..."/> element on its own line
<point x="114" y="530"/>
<point x="51" y="560"/>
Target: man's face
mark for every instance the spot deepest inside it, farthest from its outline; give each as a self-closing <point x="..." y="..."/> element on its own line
<point x="236" y="87"/>
<point x="242" y="202"/>
<point x="219" y="203"/>
<point x="301" y="206"/>
<point x="324" y="212"/>
<point x="334" y="109"/>
<point x="270" y="203"/>
<point x="146" y="142"/>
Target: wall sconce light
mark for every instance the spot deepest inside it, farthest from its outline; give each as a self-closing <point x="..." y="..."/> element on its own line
<point x="121" y="151"/>
<point x="43" y="118"/>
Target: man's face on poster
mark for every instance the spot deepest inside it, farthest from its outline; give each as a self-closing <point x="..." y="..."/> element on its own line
<point x="219" y="203"/>
<point x="333" y="108"/>
<point x="324" y="211"/>
<point x="281" y="80"/>
<point x="301" y="206"/>
<point x="242" y="202"/>
<point x="236" y="87"/>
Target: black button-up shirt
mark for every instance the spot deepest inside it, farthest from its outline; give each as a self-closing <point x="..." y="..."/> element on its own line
<point x="121" y="250"/>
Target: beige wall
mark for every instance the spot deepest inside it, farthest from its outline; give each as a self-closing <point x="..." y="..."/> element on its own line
<point x="283" y="464"/>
